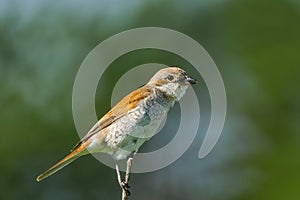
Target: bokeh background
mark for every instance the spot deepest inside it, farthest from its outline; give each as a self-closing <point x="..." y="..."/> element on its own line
<point x="254" y="43"/>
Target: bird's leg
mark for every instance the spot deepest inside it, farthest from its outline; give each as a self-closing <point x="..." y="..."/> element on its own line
<point x="128" y="168"/>
<point x="118" y="174"/>
<point x="125" y="183"/>
<point x="124" y="186"/>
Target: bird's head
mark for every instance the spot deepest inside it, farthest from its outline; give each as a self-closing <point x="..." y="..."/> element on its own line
<point x="173" y="81"/>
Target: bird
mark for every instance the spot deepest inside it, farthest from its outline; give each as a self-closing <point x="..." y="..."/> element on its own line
<point x="132" y="121"/>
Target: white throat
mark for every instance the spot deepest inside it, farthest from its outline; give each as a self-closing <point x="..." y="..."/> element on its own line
<point x="174" y="89"/>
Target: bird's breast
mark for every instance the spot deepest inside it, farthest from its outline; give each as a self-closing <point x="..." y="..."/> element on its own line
<point x="128" y="133"/>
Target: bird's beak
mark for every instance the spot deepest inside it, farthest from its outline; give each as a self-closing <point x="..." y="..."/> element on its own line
<point x="191" y="80"/>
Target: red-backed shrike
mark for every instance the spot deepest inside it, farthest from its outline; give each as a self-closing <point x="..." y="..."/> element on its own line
<point x="132" y="121"/>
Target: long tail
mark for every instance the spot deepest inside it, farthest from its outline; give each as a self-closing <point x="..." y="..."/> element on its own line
<point x="76" y="153"/>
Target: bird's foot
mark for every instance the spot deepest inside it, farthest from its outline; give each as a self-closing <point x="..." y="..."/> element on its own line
<point x="125" y="186"/>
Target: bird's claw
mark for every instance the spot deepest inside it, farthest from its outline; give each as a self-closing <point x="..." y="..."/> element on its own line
<point x="125" y="186"/>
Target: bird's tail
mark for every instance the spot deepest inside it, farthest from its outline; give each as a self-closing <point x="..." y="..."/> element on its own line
<point x="76" y="153"/>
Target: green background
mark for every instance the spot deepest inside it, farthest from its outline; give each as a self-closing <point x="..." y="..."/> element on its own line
<point x="255" y="45"/>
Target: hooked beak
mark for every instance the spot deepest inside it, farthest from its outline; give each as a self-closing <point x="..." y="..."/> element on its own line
<point x="191" y="80"/>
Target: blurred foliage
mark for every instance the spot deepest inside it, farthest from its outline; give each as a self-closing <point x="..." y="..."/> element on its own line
<point x="255" y="45"/>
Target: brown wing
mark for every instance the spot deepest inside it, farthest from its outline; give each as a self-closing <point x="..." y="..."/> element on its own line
<point x="118" y="111"/>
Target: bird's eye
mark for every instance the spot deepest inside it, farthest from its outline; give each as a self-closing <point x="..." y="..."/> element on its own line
<point x="170" y="77"/>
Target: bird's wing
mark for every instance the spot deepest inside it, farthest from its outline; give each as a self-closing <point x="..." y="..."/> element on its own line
<point x="118" y="111"/>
